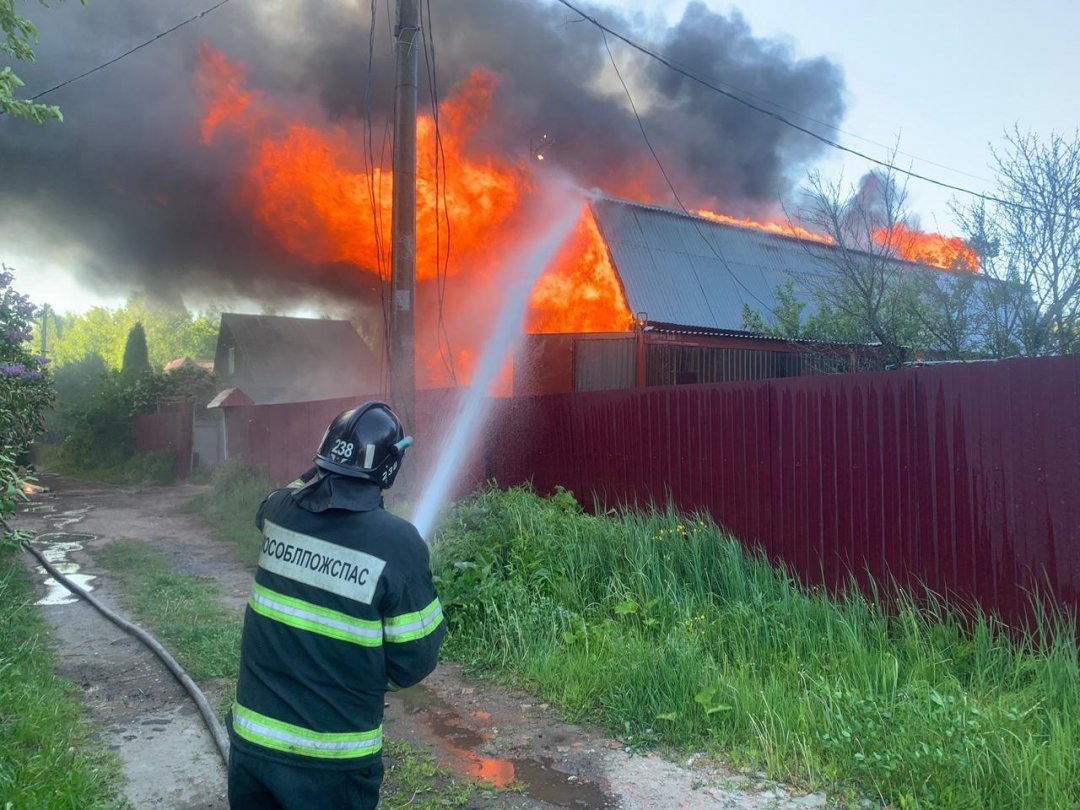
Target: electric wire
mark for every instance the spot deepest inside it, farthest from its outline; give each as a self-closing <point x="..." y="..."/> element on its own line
<point x="714" y="86"/>
<point x="667" y="178"/>
<point x="125" y="54"/>
<point x="693" y="218"/>
<point x="217" y="730"/>
<point x="375" y="197"/>
<point x="442" y="265"/>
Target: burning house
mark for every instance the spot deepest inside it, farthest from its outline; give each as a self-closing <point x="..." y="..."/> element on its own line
<point x="269" y="178"/>
<point x="684" y="282"/>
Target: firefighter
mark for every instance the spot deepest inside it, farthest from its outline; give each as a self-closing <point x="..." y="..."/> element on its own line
<point x="343" y="609"/>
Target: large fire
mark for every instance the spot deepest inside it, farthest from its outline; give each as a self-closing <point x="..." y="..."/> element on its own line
<point x="932" y="249"/>
<point x="782" y="228"/>
<point x="311" y="184"/>
<point x="947" y="252"/>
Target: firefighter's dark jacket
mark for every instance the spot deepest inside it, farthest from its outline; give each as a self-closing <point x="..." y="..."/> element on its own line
<point x="343" y="608"/>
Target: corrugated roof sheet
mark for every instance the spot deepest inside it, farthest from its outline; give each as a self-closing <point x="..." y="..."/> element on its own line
<point x="661" y="328"/>
<point x="682" y="269"/>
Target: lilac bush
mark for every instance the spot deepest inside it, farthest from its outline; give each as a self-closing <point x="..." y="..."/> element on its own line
<point x="26" y="390"/>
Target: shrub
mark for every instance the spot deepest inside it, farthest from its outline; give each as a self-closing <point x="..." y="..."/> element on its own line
<point x="26" y="390"/>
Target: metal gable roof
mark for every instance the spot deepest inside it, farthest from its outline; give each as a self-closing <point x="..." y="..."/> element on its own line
<point x="681" y="269"/>
<point x="282" y="359"/>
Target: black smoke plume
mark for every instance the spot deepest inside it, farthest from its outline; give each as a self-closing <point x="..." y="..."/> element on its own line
<point x="124" y="193"/>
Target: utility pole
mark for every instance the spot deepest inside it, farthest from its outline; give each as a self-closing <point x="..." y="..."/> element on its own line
<point x="45" y="331"/>
<point x="403" y="252"/>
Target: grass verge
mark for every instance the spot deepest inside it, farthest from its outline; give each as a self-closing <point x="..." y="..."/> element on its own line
<point x="662" y="627"/>
<point x="46" y="756"/>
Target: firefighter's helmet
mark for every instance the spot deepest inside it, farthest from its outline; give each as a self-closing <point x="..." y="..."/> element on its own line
<point x="366" y="442"/>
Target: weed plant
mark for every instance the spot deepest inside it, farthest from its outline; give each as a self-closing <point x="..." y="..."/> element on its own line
<point x="46" y="756"/>
<point x="663" y="627"/>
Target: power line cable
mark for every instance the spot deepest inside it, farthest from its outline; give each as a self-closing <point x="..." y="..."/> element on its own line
<point x="796" y="346"/>
<point x="375" y="199"/>
<point x="712" y="85"/>
<point x="660" y="165"/>
<point x="693" y="217"/>
<point x="442" y="266"/>
<point x="807" y="117"/>
<point x="125" y="54"/>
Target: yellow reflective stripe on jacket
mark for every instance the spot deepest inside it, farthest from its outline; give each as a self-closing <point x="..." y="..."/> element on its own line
<point x="411" y="626"/>
<point x="270" y="733"/>
<point x="313" y="618"/>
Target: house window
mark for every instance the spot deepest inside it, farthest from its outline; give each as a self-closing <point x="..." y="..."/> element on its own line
<point x="232" y="360"/>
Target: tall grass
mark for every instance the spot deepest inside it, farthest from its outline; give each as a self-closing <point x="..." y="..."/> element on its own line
<point x="46" y="756"/>
<point x="662" y="625"/>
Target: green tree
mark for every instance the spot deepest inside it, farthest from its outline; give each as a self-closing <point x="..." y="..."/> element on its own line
<point x="136" y="356"/>
<point x="863" y="282"/>
<point x="170" y="333"/>
<point x="19" y="38"/>
<point x="825" y="324"/>
<point x="97" y="331"/>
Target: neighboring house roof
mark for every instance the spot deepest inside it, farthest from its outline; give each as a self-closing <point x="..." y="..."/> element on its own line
<point x="228" y="398"/>
<point x="187" y="362"/>
<point x="660" y="328"/>
<point x="279" y="359"/>
<point x="679" y="269"/>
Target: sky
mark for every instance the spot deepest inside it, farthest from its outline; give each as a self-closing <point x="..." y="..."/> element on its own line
<point x="945" y="77"/>
<point x="937" y="80"/>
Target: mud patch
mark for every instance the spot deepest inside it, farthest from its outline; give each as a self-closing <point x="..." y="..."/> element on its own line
<point x="459" y="747"/>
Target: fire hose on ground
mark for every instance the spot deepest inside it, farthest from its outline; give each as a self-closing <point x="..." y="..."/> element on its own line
<point x="217" y="730"/>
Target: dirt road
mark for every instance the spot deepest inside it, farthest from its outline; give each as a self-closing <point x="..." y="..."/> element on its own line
<point x="474" y="728"/>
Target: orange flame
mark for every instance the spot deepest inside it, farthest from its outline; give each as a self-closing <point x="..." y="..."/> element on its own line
<point x="222" y="83"/>
<point x="580" y="292"/>
<point x="310" y="187"/>
<point x="933" y="249"/>
<point x="308" y="183"/>
<point x="947" y="252"/>
<point x="781" y="228"/>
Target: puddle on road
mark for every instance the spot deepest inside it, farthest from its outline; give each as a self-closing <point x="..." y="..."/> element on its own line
<point x="61" y="520"/>
<point x="55" y="547"/>
<point x="458" y="747"/>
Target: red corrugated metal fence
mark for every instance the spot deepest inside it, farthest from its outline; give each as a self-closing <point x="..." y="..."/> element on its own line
<point x="963" y="477"/>
<point x="170" y="430"/>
